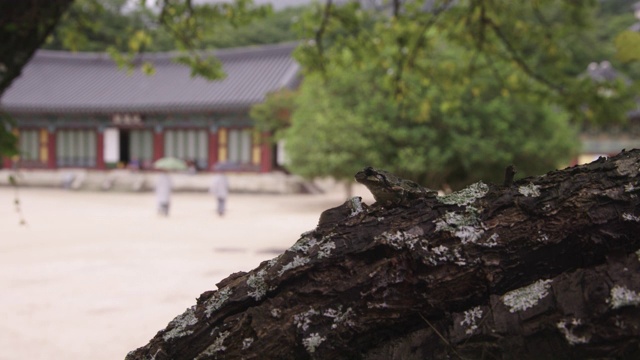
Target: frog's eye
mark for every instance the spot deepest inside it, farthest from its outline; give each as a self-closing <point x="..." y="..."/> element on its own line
<point x="369" y="171"/>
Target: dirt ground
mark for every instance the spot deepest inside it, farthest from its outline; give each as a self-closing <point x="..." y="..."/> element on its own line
<point x="96" y="275"/>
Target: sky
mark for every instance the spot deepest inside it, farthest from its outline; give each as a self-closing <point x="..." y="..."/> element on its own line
<point x="279" y="4"/>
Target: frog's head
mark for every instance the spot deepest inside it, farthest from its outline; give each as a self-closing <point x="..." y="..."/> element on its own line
<point x="372" y="177"/>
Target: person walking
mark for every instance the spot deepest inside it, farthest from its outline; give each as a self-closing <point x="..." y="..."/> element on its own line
<point x="163" y="193"/>
<point x="220" y="189"/>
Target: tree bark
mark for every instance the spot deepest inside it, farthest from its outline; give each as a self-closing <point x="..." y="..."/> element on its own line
<point x="545" y="267"/>
<point x="24" y="26"/>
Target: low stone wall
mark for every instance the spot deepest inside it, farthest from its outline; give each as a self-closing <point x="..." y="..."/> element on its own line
<point x="127" y="180"/>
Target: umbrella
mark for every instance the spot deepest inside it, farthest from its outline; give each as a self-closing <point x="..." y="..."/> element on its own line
<point x="170" y="163"/>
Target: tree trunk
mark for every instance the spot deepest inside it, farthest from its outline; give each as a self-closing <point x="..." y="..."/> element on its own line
<point x="24" y="26"/>
<point x="546" y="267"/>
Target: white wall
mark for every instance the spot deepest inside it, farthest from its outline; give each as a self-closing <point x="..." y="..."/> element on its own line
<point x="111" y="145"/>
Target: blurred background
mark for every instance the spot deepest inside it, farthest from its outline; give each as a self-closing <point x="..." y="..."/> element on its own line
<point x="119" y="118"/>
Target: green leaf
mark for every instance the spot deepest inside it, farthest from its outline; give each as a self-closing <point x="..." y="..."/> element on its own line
<point x="148" y="68"/>
<point x="628" y="46"/>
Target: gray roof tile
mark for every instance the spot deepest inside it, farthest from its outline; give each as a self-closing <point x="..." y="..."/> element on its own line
<point x="63" y="82"/>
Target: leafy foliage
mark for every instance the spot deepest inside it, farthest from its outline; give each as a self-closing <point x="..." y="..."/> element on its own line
<point x="8" y="140"/>
<point x="340" y="126"/>
<point x="124" y="32"/>
<point x="101" y="25"/>
<point x="628" y="46"/>
<point x="448" y="92"/>
<point x="274" y="114"/>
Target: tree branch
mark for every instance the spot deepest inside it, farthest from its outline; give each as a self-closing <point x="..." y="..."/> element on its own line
<point x="514" y="56"/>
<point x="326" y="14"/>
<point x="549" y="263"/>
<point x="24" y="26"/>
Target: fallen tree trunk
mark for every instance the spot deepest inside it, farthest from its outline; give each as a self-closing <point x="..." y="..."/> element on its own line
<point x="542" y="267"/>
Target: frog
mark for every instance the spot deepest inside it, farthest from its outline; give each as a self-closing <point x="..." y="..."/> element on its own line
<point x="390" y="190"/>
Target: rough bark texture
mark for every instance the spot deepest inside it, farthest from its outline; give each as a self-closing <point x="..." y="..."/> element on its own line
<point x="547" y="267"/>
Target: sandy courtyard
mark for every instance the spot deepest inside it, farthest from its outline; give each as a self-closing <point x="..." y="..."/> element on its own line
<point x="95" y="275"/>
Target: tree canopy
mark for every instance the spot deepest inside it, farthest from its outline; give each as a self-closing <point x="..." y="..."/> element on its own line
<point x="114" y="24"/>
<point x="447" y="92"/>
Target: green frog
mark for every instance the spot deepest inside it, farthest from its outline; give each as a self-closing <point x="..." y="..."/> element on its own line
<point x="390" y="190"/>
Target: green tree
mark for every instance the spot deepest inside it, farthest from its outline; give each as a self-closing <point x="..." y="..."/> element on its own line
<point x="268" y="30"/>
<point x="340" y="126"/>
<point x="274" y="114"/>
<point x="445" y="93"/>
<point x="113" y="24"/>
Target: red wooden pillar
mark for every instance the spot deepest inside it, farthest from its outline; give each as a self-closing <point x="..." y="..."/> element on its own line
<point x="51" y="148"/>
<point x="266" y="160"/>
<point x="100" y="149"/>
<point x="213" y="147"/>
<point x="158" y="143"/>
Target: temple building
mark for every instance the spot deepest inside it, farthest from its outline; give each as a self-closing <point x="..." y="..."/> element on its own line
<point x="80" y="110"/>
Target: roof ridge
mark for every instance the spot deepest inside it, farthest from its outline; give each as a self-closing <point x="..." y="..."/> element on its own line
<point x="167" y="55"/>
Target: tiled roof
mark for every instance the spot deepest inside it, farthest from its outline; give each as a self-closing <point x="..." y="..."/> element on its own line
<point x="63" y="82"/>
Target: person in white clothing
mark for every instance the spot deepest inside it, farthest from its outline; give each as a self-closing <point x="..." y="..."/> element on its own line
<point x="220" y="189"/>
<point x="163" y="193"/>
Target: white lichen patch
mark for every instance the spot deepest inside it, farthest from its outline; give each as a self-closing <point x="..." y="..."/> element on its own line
<point x="325" y="249"/>
<point x="217" y="300"/>
<point x="339" y="317"/>
<point x="258" y="286"/>
<point x="630" y="217"/>
<point x="276" y="313"/>
<point x="271" y="263"/>
<point x="397" y="239"/>
<point x="312" y="342"/>
<point x="442" y="254"/>
<point x="621" y="296"/>
<point x="355" y="203"/>
<point x="526" y="297"/>
<point x="156" y="354"/>
<point x="491" y="241"/>
<point x="529" y="190"/>
<point x="630" y="188"/>
<point x="470" y="321"/>
<point x="216" y="347"/>
<point x="246" y="343"/>
<point x="296" y="262"/>
<point x="303" y="245"/>
<point x="542" y="237"/>
<point x="303" y="320"/>
<point x="453" y="220"/>
<point x="567" y="329"/>
<point x="180" y="323"/>
<point x="468" y="234"/>
<point x="465" y="226"/>
<point x="466" y="196"/>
